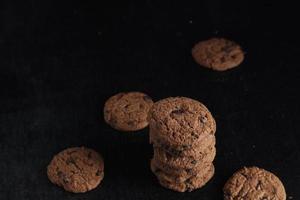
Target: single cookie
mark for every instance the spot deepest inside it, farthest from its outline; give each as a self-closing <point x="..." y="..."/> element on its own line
<point x="253" y="183"/>
<point x="208" y="140"/>
<point x="76" y="169"/>
<point x="181" y="122"/>
<point x="182" y="173"/>
<point x="218" y="54"/>
<point x="174" y="175"/>
<point x="189" y="185"/>
<point x="186" y="162"/>
<point x="128" y="111"/>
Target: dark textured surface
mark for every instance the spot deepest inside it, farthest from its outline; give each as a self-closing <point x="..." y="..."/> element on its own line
<point x="60" y="61"/>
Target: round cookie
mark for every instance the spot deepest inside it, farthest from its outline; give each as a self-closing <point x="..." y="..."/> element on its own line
<point x="186" y="162"/>
<point x="77" y="169"/>
<point x="178" y="175"/>
<point x="218" y="54"/>
<point x="189" y="185"/>
<point x="207" y="141"/>
<point x="164" y="175"/>
<point x="253" y="183"/>
<point x="178" y="172"/>
<point x="127" y="111"/>
<point x="181" y="122"/>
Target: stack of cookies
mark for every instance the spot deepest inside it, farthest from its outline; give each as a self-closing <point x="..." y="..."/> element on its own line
<point x="182" y="132"/>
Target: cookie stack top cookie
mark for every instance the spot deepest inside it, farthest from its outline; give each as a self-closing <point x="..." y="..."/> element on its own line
<point x="181" y="121"/>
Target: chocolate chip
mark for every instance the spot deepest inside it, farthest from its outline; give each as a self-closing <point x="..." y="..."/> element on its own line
<point x="90" y="155"/>
<point x="63" y="176"/>
<point x="258" y="186"/>
<point x="195" y="135"/>
<point x="178" y="111"/>
<point x="98" y="173"/>
<point x="65" y="180"/>
<point x="131" y="123"/>
<point x="167" y="146"/>
<point x="223" y="59"/>
<point x="203" y="119"/>
<point x="176" y="152"/>
<point x="60" y="174"/>
<point x="168" y="155"/>
<point x="70" y="161"/>
<point x="194" y="162"/>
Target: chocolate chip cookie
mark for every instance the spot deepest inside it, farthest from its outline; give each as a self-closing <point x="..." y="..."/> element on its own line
<point x="218" y="54"/>
<point x="186" y="162"/>
<point x="180" y="122"/>
<point x="208" y="140"/>
<point x="128" y="111"/>
<point x="77" y="169"/>
<point x="190" y="184"/>
<point x="177" y="174"/>
<point x="253" y="183"/>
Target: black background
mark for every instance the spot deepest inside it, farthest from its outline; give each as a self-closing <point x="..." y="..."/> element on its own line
<point x="60" y="61"/>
